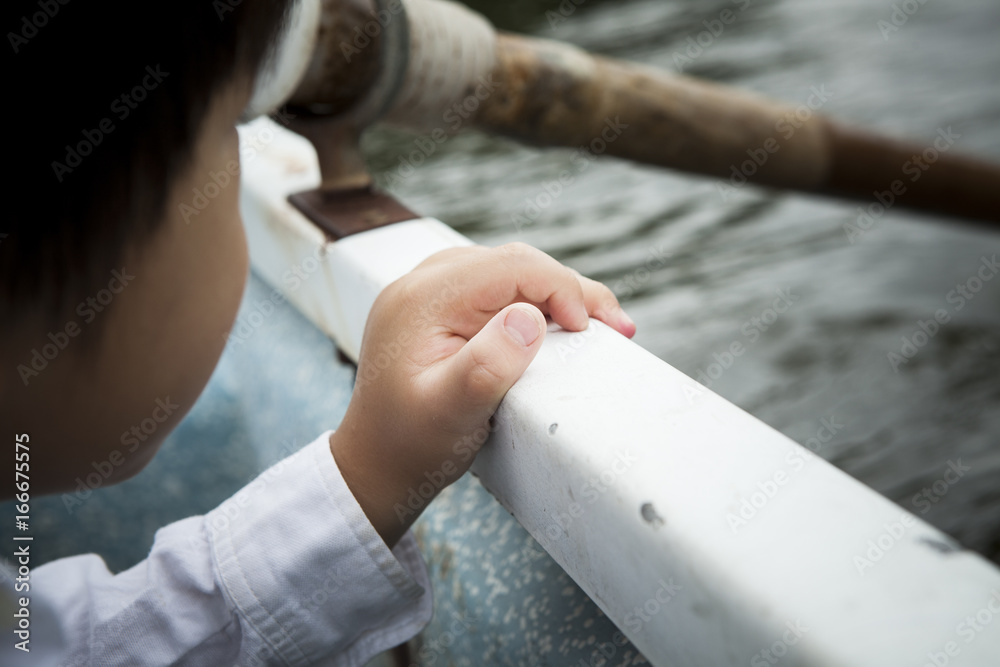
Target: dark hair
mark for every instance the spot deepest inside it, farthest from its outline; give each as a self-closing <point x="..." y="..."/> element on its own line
<point x="93" y="163"/>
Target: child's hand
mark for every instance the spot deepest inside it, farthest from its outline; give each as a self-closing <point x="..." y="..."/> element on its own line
<point x="441" y="348"/>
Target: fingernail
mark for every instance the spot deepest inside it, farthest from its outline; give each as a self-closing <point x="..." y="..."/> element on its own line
<point x="628" y="326"/>
<point x="521" y="326"/>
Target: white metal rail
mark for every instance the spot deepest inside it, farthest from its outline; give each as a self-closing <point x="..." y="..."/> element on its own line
<point x="708" y="537"/>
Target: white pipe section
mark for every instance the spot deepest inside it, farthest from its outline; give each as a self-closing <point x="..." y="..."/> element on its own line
<point x="453" y="52"/>
<point x="708" y="537"/>
<point x="282" y="70"/>
<point x="450" y="52"/>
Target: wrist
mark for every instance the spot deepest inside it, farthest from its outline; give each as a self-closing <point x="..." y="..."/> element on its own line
<point x="380" y="491"/>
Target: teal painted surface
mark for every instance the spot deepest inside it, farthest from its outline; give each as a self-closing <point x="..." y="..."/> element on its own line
<point x="500" y="599"/>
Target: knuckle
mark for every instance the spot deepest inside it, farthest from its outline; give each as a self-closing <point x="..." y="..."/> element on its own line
<point x="484" y="379"/>
<point x="396" y="294"/>
<point x="520" y="247"/>
<point x="602" y="298"/>
<point x="449" y="255"/>
<point x="517" y="250"/>
<point x="606" y="296"/>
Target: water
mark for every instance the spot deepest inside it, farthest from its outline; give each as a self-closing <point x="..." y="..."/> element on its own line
<point x="899" y="430"/>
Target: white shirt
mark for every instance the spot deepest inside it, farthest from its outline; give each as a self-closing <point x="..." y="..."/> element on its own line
<point x="288" y="571"/>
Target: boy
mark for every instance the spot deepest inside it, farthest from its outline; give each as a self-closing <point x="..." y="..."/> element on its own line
<point x="127" y="109"/>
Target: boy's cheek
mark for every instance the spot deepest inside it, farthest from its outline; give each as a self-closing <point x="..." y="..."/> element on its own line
<point x="172" y="331"/>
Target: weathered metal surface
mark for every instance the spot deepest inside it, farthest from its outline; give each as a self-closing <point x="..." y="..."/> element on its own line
<point x="356" y="73"/>
<point x="553" y="94"/>
<point x="338" y="148"/>
<point x="283" y="67"/>
<point x="452" y="55"/>
<point x="333" y="79"/>
<point x="341" y="213"/>
<point x="930" y="177"/>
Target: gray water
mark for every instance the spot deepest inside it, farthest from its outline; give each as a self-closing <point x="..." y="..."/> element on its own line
<point x="826" y="358"/>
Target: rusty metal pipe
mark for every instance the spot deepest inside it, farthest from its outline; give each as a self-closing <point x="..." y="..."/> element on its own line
<point x="545" y="93"/>
<point x="554" y="95"/>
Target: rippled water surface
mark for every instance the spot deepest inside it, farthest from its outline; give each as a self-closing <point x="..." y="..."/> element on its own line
<point x="694" y="267"/>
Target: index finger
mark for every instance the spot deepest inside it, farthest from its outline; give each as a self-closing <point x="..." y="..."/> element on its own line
<point x="493" y="278"/>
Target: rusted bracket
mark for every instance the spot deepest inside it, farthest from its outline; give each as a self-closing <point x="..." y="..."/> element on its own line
<point x="342" y="212"/>
<point x="345" y="203"/>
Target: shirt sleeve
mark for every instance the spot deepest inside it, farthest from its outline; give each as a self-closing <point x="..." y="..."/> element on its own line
<point x="289" y="571"/>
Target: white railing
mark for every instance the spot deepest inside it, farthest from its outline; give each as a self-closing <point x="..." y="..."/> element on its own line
<point x="708" y="537"/>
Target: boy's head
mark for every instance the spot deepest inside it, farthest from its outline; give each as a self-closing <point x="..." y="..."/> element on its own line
<point x="114" y="309"/>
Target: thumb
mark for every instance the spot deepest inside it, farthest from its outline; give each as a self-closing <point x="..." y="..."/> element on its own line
<point x="480" y="373"/>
